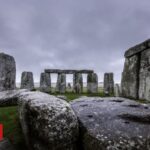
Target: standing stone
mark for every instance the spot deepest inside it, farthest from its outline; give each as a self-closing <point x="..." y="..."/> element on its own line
<point x="78" y="82"/>
<point x="117" y="90"/>
<point x="129" y="83"/>
<point x="136" y="74"/>
<point x="45" y="82"/>
<point x="61" y="83"/>
<point x="7" y="72"/>
<point x="27" y="81"/>
<point x="144" y="75"/>
<point x="92" y="83"/>
<point x="108" y="83"/>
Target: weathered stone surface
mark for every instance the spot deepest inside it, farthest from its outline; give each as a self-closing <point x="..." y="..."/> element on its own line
<point x="7" y="72"/>
<point x="109" y="83"/>
<point x="138" y="48"/>
<point x="130" y="77"/>
<point x="47" y="122"/>
<point x="78" y="82"/>
<point x="27" y="81"/>
<point x="135" y="78"/>
<point x="45" y="82"/>
<point x="117" y="90"/>
<point x="113" y="123"/>
<point x="67" y="71"/>
<point x="6" y="145"/>
<point x="92" y="83"/>
<point x="10" y="97"/>
<point x="144" y="75"/>
<point x="61" y="83"/>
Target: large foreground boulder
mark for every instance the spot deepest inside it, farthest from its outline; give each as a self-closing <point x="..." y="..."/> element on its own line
<point x="113" y="124"/>
<point x="7" y="72"/>
<point x="47" y="122"/>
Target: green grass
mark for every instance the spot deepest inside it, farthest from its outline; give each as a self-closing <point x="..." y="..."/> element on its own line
<point x="12" y="129"/>
<point x="71" y="96"/>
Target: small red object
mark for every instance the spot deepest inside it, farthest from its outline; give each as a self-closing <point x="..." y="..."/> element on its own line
<point x="1" y="132"/>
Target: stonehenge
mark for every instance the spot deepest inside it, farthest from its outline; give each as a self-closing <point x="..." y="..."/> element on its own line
<point x="87" y="123"/>
<point x="27" y="81"/>
<point x="92" y="81"/>
<point x="7" y="72"/>
<point x="135" y="81"/>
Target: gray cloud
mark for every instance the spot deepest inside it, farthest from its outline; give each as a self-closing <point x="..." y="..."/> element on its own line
<point x="78" y="34"/>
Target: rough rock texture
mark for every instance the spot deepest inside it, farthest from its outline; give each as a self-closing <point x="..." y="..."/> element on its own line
<point x="47" y="122"/>
<point x="144" y="75"/>
<point x="109" y="83"/>
<point x="78" y="82"/>
<point x="6" y="145"/>
<point x="27" y="81"/>
<point x="138" y="48"/>
<point x="92" y="83"/>
<point x="45" y="82"/>
<point x="10" y="97"/>
<point x="7" y="72"/>
<point x="61" y="83"/>
<point x="113" y="124"/>
<point x="69" y="71"/>
<point x="117" y="90"/>
<point x="130" y="75"/>
<point x="136" y="74"/>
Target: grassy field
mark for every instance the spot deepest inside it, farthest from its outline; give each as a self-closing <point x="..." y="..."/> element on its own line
<point x="12" y="129"/>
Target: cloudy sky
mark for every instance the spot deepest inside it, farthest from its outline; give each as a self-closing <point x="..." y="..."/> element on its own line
<point x="72" y="34"/>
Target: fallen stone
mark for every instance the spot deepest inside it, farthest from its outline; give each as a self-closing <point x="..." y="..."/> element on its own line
<point x="47" y="122"/>
<point x="27" y="81"/>
<point x="7" y="72"/>
<point x="10" y="97"/>
<point x="112" y="123"/>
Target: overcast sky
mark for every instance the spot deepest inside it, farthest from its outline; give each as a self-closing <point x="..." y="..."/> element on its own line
<point x="72" y="34"/>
